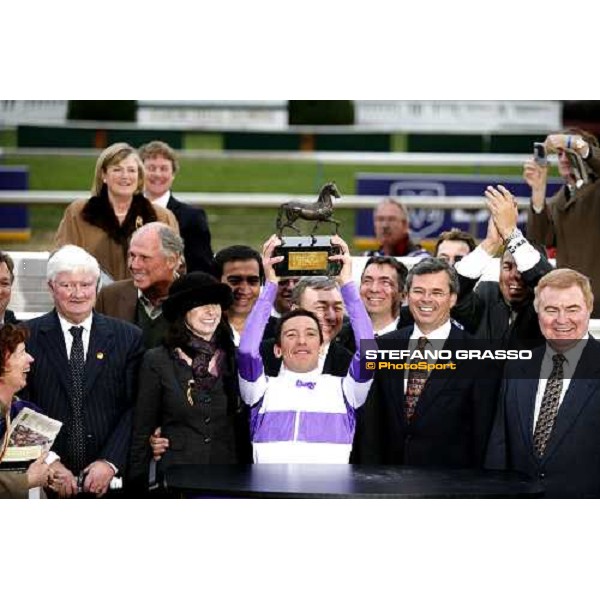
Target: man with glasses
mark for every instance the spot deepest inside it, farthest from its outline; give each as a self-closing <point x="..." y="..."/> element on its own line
<point x="454" y="245"/>
<point x="240" y="267"/>
<point x="390" y="221"/>
<point x="427" y="418"/>
<point x="282" y="304"/>
<point x="84" y="375"/>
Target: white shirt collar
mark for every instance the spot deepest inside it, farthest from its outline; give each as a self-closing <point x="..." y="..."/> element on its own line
<point x="389" y="327"/>
<point x="441" y="333"/>
<point x="162" y="200"/>
<point x="66" y="325"/>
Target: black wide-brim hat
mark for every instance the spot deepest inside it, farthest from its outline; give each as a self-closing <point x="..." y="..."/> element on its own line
<point x="192" y="290"/>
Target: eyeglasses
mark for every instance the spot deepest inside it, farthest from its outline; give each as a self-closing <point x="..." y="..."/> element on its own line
<point x="252" y="280"/>
<point x="288" y="281"/>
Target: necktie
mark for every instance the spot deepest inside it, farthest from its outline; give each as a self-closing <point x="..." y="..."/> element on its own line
<point x="75" y="432"/>
<point x="549" y="408"/>
<point x="414" y="385"/>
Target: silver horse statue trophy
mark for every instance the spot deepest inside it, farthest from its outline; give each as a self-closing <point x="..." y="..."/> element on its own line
<point x="320" y="211"/>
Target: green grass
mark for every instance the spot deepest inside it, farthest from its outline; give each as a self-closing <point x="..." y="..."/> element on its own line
<point x="228" y="225"/>
<point x="228" y="175"/>
<point x="203" y="141"/>
<point x="8" y="138"/>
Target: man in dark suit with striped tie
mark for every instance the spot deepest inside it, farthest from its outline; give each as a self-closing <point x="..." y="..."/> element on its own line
<point x="427" y="419"/>
<point x="84" y="375"/>
<point x="549" y="411"/>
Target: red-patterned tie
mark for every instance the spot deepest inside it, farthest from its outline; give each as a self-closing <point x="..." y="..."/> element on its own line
<point x="414" y="385"/>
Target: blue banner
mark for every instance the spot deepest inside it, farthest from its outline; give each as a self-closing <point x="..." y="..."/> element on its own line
<point x="427" y="223"/>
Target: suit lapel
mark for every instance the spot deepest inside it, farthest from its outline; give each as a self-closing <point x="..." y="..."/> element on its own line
<point x="101" y="345"/>
<point x="128" y="302"/>
<point x="527" y="385"/>
<point x="397" y="397"/>
<point x="584" y="385"/>
<point x="52" y="343"/>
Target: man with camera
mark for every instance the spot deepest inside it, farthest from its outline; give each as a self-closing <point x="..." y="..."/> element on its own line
<point x="570" y="219"/>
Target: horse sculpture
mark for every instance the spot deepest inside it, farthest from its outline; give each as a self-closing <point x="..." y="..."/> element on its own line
<point x="320" y="211"/>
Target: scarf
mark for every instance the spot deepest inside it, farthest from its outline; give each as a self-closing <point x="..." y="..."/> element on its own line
<point x="207" y="361"/>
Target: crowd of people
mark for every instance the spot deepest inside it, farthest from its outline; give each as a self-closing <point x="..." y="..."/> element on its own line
<point x="159" y="352"/>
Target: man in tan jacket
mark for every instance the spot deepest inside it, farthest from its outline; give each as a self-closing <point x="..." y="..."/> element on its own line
<point x="154" y="257"/>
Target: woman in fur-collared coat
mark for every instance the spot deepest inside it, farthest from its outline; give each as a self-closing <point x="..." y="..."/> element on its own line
<point x="103" y="224"/>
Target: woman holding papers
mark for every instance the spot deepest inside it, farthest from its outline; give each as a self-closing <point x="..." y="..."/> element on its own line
<point x="14" y="366"/>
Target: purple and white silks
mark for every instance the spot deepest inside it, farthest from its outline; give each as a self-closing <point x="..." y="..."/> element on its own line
<point x="301" y="417"/>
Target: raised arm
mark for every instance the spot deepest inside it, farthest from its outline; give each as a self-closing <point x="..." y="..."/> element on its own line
<point x="250" y="365"/>
<point x="355" y="387"/>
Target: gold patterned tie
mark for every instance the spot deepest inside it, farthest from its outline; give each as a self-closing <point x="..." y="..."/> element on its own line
<point x="414" y="385"/>
<point x="549" y="408"/>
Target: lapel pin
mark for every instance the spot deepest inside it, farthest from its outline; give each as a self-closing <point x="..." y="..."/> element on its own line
<point x="100" y="355"/>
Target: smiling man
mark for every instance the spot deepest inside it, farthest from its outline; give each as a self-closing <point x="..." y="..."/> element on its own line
<point x="502" y="310"/>
<point x="549" y="411"/>
<point x="440" y="420"/>
<point x="321" y="296"/>
<point x="301" y="415"/>
<point x="160" y="168"/>
<point x="154" y="257"/>
<point x="84" y="375"/>
<point x="382" y="292"/>
<point x="240" y="267"/>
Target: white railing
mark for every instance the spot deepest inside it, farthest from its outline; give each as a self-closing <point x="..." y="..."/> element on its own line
<point x="51" y="112"/>
<point x="406" y="159"/>
<point x="252" y="200"/>
<point x="440" y="116"/>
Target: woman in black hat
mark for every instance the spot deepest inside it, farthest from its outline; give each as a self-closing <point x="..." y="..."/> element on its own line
<point x="188" y="386"/>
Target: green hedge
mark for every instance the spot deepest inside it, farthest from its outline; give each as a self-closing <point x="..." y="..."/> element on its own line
<point x="320" y="112"/>
<point x="102" y="110"/>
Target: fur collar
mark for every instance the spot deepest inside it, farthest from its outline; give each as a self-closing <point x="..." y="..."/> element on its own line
<point x="98" y="211"/>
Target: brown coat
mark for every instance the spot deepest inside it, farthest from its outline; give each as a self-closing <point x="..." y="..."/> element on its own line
<point x="572" y="224"/>
<point x="118" y="300"/>
<point x="13" y="485"/>
<point x="110" y="253"/>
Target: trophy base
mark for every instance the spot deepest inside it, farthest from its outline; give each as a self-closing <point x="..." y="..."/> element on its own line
<point x="306" y="255"/>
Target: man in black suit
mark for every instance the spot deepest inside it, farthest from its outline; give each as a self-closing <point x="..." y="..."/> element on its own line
<point x="549" y="408"/>
<point x="7" y="278"/>
<point x="160" y="168"/>
<point x="84" y="375"/>
<point x="447" y="422"/>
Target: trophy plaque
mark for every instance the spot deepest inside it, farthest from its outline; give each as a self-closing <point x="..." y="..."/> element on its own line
<point x="307" y="254"/>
